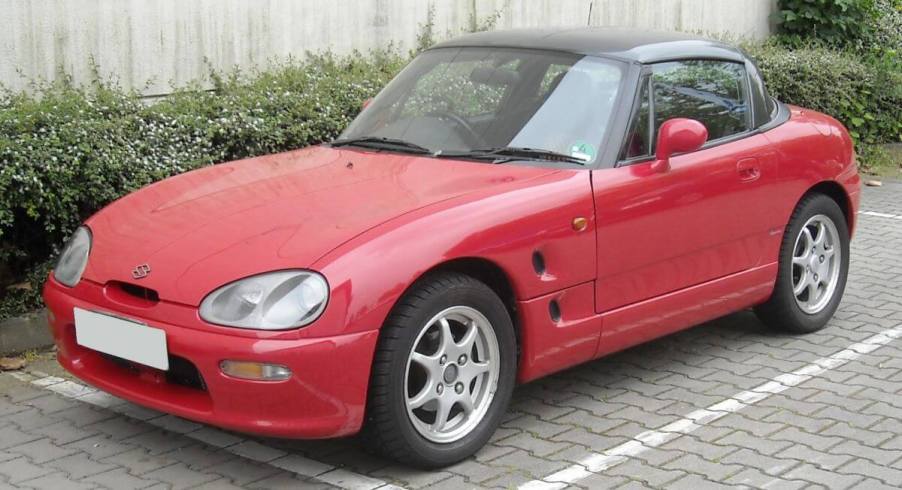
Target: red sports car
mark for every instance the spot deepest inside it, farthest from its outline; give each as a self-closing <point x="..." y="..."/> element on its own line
<point x="511" y="204"/>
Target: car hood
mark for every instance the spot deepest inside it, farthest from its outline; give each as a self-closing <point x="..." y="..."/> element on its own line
<point x="200" y="230"/>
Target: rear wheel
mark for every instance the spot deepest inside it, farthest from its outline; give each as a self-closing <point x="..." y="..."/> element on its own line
<point x="443" y="373"/>
<point x="814" y="262"/>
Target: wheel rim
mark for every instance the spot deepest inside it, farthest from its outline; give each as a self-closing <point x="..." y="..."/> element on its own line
<point x="816" y="260"/>
<point x="451" y="375"/>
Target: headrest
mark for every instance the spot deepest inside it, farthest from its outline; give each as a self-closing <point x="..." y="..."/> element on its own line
<point x="494" y="76"/>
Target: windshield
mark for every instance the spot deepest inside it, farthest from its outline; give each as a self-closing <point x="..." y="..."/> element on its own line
<point x="459" y="100"/>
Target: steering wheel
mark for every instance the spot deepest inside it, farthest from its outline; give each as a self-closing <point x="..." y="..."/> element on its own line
<point x="470" y="134"/>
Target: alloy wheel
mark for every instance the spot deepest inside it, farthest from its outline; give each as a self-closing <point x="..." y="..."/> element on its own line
<point x="452" y="374"/>
<point x="816" y="263"/>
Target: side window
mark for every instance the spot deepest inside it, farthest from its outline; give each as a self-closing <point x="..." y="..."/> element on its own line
<point x="638" y="137"/>
<point x="711" y="92"/>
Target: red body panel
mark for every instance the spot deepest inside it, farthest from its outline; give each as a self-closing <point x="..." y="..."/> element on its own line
<point x="661" y="252"/>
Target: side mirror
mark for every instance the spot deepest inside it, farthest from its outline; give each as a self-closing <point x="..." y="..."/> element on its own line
<point x="677" y="135"/>
<point x="366" y="103"/>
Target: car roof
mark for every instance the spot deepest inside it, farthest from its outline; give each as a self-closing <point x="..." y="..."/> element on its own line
<point x="636" y="45"/>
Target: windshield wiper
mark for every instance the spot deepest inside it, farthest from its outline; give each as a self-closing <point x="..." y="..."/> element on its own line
<point x="381" y="143"/>
<point x="512" y="153"/>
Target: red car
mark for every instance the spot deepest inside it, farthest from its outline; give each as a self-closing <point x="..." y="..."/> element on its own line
<point x="512" y="204"/>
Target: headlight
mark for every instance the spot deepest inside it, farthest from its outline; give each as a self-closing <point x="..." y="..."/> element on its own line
<point x="74" y="258"/>
<point x="271" y="301"/>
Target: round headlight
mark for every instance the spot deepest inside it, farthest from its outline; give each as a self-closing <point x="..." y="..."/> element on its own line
<point x="272" y="301"/>
<point x="74" y="258"/>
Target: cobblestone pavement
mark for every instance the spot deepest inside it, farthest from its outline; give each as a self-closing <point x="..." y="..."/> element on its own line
<point x="724" y="404"/>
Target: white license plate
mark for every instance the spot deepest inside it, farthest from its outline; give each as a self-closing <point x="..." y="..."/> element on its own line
<point x="121" y="338"/>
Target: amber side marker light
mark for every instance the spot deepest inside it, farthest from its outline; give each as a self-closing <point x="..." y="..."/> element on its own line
<point x="579" y="224"/>
<point x="255" y="371"/>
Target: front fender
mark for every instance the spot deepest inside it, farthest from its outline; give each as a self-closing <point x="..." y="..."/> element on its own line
<point x="505" y="225"/>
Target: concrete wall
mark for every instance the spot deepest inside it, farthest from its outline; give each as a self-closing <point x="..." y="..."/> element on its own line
<point x="153" y="45"/>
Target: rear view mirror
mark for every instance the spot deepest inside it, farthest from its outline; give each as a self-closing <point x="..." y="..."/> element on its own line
<point x="678" y="135"/>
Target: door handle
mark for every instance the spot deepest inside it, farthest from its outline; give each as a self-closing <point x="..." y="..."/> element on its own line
<point x="748" y="170"/>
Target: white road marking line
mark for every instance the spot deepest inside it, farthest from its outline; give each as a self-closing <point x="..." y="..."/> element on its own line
<point x="881" y="215"/>
<point x="238" y="446"/>
<point x="599" y="462"/>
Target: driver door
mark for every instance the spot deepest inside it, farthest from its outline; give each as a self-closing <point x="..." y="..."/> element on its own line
<point x="703" y="219"/>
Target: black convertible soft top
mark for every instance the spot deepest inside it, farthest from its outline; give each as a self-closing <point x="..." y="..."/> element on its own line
<point x="627" y="44"/>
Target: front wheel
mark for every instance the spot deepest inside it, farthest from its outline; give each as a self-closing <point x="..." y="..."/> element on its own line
<point x="443" y="373"/>
<point x="814" y="262"/>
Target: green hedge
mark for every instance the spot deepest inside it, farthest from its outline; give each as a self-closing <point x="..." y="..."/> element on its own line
<point x="864" y="93"/>
<point x="66" y="152"/>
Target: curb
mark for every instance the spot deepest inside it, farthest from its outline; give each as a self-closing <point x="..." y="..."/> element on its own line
<point x="26" y="332"/>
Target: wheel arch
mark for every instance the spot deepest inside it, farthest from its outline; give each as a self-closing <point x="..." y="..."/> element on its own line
<point x="834" y="190"/>
<point x="489" y="273"/>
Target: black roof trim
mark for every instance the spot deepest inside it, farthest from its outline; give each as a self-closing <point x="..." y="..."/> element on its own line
<point x="628" y="44"/>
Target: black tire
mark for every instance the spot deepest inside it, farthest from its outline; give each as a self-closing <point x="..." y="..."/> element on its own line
<point x="781" y="311"/>
<point x="388" y="429"/>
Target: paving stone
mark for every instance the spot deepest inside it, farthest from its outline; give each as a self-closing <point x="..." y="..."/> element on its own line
<point x="602" y="482"/>
<point x="816" y="441"/>
<point x="176" y="424"/>
<point x="637" y="470"/>
<point x="871" y="484"/>
<point x="41" y="451"/>
<point x="56" y="481"/>
<point x="51" y="403"/>
<point x="694" y="482"/>
<point x="31" y="419"/>
<point x="416" y="478"/>
<point x="11" y="436"/>
<point x="79" y="465"/>
<point x="282" y="480"/>
<point x="138" y="461"/>
<point x="120" y="480"/>
<point x="64" y="432"/>
<point x="829" y="479"/>
<point x="886" y="474"/>
<point x="83" y="414"/>
<point x="180" y="476"/>
<point x="528" y="464"/>
<point x="689" y="444"/>
<point x="119" y="428"/>
<point x="453" y="483"/>
<point x="199" y="456"/>
<point x="20" y="469"/>
<point x="241" y="473"/>
<point x="534" y="445"/>
<point x="714" y="471"/>
<point x="823" y="460"/>
<point x="100" y="446"/>
<point x="755" y="478"/>
<point x="215" y="437"/>
<point x="158" y="441"/>
<point x="590" y="439"/>
<point x="533" y="425"/>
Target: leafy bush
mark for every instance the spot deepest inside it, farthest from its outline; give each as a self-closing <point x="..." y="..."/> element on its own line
<point x="888" y="26"/>
<point x="838" y="22"/>
<point x="865" y="95"/>
<point x="67" y="151"/>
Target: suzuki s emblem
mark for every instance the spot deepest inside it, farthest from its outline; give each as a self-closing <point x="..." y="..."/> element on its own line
<point x="141" y="271"/>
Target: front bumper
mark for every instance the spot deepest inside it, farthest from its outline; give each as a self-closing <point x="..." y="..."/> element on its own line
<point x="325" y="396"/>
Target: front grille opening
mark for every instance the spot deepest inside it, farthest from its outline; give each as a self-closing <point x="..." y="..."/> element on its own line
<point x="181" y="371"/>
<point x="139" y="292"/>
